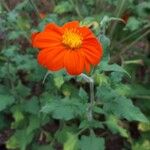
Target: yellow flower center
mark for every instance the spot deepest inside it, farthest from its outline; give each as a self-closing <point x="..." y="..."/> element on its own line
<point x="72" y="38"/>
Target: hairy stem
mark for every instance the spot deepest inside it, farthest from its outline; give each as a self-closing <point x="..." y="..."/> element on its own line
<point x="118" y="13"/>
<point x="90" y="108"/>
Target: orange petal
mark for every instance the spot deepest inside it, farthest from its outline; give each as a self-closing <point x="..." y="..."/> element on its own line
<point x="87" y="67"/>
<point x="86" y="32"/>
<point x="92" y="50"/>
<point x="53" y="27"/>
<point x="46" y="40"/>
<point x="52" y="59"/>
<point x="74" y="62"/>
<point x="33" y="35"/>
<point x="72" y="24"/>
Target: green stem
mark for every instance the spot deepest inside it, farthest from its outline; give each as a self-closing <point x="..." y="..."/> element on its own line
<point x="118" y="11"/>
<point x="90" y="108"/>
<point x="134" y="42"/>
<point x="35" y="7"/>
<point x="134" y="33"/>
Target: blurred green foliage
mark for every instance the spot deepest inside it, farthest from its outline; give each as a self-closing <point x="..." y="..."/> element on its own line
<point x="53" y="115"/>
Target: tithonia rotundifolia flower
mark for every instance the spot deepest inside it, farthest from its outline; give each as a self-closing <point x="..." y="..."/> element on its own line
<point x="69" y="47"/>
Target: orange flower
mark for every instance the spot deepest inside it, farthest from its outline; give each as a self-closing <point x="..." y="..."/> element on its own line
<point x="71" y="47"/>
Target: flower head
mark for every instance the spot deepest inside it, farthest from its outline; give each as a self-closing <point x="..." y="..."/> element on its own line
<point x="71" y="47"/>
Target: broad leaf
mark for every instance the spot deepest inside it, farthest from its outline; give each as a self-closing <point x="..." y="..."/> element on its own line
<point x="64" y="110"/>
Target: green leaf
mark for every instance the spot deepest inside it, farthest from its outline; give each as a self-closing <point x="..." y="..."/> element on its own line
<point x="18" y="117"/>
<point x="90" y="124"/>
<point x="19" y="140"/>
<point x="141" y="145"/>
<point x="22" y="90"/>
<point x="100" y="79"/>
<point x="92" y="143"/>
<point x="71" y="142"/>
<point x="143" y="9"/>
<point x="112" y="124"/>
<point x="31" y="106"/>
<point x="113" y="67"/>
<point x="144" y="127"/>
<point x="64" y="109"/>
<point x="5" y="101"/>
<point x="42" y="147"/>
<point x="59" y="81"/>
<point x="83" y="94"/>
<point x="123" y="107"/>
<point x="133" y="24"/>
<point x="116" y="77"/>
<point x="105" y="43"/>
<point x="61" y="135"/>
<point x="34" y="123"/>
<point x="63" y="7"/>
<point x="119" y="105"/>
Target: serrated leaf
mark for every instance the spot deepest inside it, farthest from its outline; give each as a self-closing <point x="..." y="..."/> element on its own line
<point x="113" y="67"/>
<point x="119" y="105"/>
<point x="64" y="110"/>
<point x="123" y="107"/>
<point x="92" y="143"/>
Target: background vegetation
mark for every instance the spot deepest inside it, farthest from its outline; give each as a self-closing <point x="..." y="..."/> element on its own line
<point x="53" y="115"/>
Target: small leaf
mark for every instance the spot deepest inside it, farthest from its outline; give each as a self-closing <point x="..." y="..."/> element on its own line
<point x="18" y="117"/>
<point x="133" y="24"/>
<point x="59" y="81"/>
